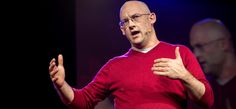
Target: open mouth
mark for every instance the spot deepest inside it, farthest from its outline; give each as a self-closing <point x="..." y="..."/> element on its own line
<point x="135" y="32"/>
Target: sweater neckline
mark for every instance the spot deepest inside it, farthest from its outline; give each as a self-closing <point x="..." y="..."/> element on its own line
<point x="134" y="52"/>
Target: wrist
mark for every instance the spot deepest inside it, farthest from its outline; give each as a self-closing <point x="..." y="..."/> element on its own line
<point x="187" y="78"/>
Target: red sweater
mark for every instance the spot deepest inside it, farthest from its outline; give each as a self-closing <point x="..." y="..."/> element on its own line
<point x="130" y="80"/>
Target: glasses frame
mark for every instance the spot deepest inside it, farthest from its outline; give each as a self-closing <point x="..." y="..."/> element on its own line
<point x="133" y="18"/>
<point x="202" y="46"/>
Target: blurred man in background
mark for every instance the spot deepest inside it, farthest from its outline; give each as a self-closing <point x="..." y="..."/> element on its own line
<point x="213" y="46"/>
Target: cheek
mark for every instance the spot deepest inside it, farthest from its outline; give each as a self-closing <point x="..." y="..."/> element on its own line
<point x="215" y="57"/>
<point x="210" y="51"/>
<point x="208" y="55"/>
<point x="219" y="58"/>
<point x="143" y="26"/>
<point x="127" y="33"/>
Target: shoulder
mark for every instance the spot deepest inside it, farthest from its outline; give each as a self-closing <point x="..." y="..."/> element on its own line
<point x="173" y="46"/>
<point x="184" y="50"/>
<point x="117" y="59"/>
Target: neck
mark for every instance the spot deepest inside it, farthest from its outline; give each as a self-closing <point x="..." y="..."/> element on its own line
<point x="144" y="50"/>
<point x="149" y="45"/>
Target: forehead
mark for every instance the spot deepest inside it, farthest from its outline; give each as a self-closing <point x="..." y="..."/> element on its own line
<point x="131" y="8"/>
<point x="201" y="34"/>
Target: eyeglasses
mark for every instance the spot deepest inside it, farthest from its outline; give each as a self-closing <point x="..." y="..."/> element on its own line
<point x="202" y="46"/>
<point x="133" y="18"/>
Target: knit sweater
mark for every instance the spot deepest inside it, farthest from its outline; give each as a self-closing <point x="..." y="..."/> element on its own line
<point x="132" y="83"/>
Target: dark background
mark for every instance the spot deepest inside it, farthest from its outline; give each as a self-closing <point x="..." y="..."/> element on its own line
<point x="86" y="32"/>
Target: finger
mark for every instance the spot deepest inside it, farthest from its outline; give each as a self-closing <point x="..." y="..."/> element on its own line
<point x="51" y="67"/>
<point x="154" y="69"/>
<point x="160" y="73"/>
<point x="60" y="59"/>
<point x="159" y="69"/>
<point x="52" y="73"/>
<point x="161" y="64"/>
<point x="53" y="60"/>
<point x="161" y="60"/>
<point x="54" y="79"/>
<point x="177" y="54"/>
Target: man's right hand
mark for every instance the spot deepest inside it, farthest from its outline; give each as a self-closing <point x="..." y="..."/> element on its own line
<point x="57" y="72"/>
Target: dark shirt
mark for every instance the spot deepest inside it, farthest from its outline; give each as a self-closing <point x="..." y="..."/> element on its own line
<point x="224" y="95"/>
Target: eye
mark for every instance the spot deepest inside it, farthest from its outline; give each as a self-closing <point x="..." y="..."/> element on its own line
<point x="125" y="21"/>
<point x="198" y="46"/>
<point x="136" y="16"/>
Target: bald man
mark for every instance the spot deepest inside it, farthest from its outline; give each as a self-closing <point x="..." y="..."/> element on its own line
<point x="213" y="47"/>
<point x="152" y="75"/>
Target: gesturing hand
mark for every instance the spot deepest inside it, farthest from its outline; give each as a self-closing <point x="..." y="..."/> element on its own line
<point x="172" y="68"/>
<point x="57" y="72"/>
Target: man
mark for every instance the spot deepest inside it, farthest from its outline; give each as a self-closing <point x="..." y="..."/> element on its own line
<point x="151" y="75"/>
<point x="213" y="47"/>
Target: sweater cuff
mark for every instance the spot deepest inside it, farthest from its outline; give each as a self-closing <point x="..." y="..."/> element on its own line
<point x="78" y="100"/>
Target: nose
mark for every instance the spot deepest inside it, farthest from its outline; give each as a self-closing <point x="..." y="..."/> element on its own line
<point x="197" y="52"/>
<point x="131" y="24"/>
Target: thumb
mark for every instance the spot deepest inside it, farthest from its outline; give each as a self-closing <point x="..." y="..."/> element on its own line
<point x="60" y="59"/>
<point x="177" y="54"/>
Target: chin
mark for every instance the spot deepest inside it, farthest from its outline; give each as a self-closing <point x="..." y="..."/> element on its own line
<point x="137" y="43"/>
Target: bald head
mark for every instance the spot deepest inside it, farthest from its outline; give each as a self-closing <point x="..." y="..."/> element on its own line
<point x="212" y="28"/>
<point x="131" y="7"/>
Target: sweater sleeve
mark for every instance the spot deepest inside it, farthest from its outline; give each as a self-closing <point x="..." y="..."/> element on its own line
<point x="194" y="68"/>
<point x="94" y="92"/>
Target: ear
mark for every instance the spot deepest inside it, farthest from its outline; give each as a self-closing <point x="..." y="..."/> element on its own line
<point x="153" y="17"/>
<point x="225" y="44"/>
<point x="122" y="30"/>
